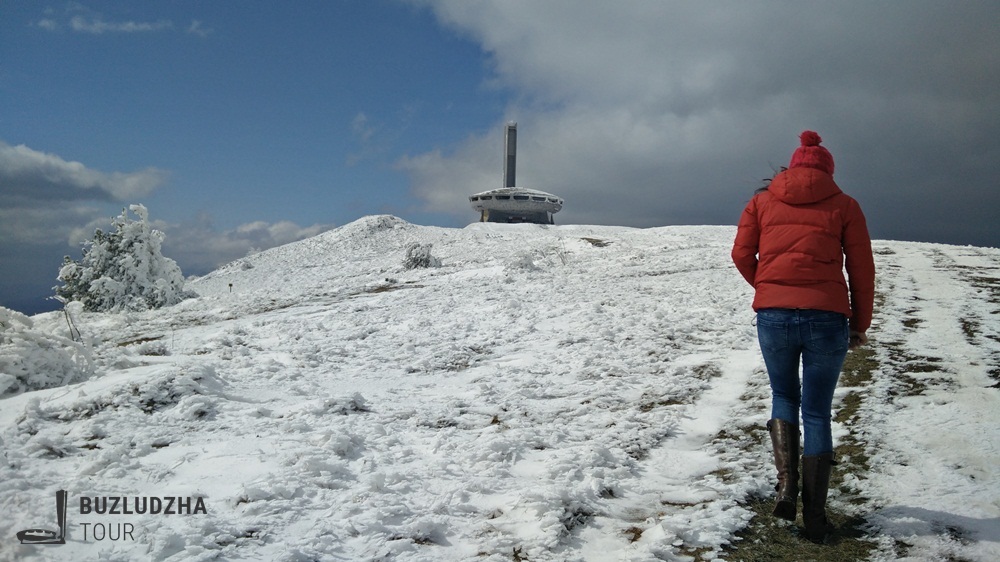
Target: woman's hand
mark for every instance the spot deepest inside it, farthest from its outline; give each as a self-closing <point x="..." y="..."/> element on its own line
<point x="858" y="339"/>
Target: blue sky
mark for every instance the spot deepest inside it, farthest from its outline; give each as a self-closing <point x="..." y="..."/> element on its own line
<point x="247" y="125"/>
<point x="285" y="110"/>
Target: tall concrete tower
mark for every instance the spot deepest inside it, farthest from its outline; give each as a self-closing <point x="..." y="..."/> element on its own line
<point x="510" y="152"/>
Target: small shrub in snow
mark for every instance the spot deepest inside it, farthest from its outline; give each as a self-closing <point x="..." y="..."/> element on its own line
<point x="152" y="348"/>
<point x="343" y="405"/>
<point x="123" y="269"/>
<point x="523" y="262"/>
<point x="32" y="360"/>
<point x="419" y="256"/>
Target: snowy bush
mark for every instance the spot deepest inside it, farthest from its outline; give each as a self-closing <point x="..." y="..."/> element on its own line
<point x="522" y="262"/>
<point x="123" y="269"/>
<point x="419" y="255"/>
<point x="32" y="360"/>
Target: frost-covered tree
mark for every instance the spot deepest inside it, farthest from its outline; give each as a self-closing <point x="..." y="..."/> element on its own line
<point x="123" y="269"/>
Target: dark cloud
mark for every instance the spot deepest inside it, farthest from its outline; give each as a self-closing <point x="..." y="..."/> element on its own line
<point x="30" y="176"/>
<point x="643" y="113"/>
<point x="48" y="200"/>
<point x="28" y="286"/>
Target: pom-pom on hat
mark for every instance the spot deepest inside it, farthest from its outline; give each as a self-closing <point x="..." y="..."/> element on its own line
<point x="811" y="154"/>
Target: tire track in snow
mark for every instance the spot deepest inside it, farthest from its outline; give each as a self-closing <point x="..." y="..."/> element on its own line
<point x="686" y="494"/>
<point x="932" y="393"/>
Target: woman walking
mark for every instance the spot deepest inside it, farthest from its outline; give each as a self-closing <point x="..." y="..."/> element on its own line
<point x="793" y="242"/>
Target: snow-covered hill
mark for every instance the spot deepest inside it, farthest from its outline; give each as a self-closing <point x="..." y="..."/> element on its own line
<point x="546" y="393"/>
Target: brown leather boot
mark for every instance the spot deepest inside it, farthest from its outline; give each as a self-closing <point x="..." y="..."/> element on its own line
<point x="815" y="484"/>
<point x="785" y="441"/>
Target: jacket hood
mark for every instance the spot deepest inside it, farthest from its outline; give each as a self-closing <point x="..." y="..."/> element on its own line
<point x="801" y="186"/>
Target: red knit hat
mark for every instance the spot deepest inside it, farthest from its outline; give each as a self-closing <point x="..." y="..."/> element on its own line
<point x="811" y="154"/>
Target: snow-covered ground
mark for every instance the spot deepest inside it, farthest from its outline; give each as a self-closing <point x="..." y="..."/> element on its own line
<point x="546" y="393"/>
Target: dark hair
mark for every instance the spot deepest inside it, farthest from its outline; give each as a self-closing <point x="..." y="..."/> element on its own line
<point x="767" y="181"/>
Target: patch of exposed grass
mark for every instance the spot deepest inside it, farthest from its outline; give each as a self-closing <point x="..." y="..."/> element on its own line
<point x="597" y="242"/>
<point x="989" y="284"/>
<point x="898" y="356"/>
<point x="384" y="289"/>
<point x="650" y="405"/>
<point x="678" y="503"/>
<point x="707" y="371"/>
<point x="725" y="475"/>
<point x="971" y="329"/>
<point x="770" y="539"/>
<point x="138" y="341"/>
<point x="907" y="386"/>
<point x="904" y="365"/>
<point x="652" y="400"/>
<point x="744" y="438"/>
<point x="858" y="367"/>
<point x="633" y="533"/>
<point x="390" y="286"/>
<point x="922" y="368"/>
<point x="857" y="373"/>
<point x="849" y="406"/>
<point x="910" y="321"/>
<point x="696" y="553"/>
<point x="851" y="452"/>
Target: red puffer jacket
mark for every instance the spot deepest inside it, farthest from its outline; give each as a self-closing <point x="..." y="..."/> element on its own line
<point x="792" y="241"/>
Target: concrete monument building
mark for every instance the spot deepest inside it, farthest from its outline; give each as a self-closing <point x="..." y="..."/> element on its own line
<point x="510" y="203"/>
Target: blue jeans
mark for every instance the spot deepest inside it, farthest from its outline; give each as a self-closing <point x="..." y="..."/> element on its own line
<point x="820" y="339"/>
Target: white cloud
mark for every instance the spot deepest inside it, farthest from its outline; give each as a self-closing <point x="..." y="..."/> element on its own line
<point x="364" y="132"/>
<point x="80" y="19"/>
<point x="48" y="24"/>
<point x="199" y="247"/>
<point x="97" y="25"/>
<point x="198" y="28"/>
<point x="263" y="235"/>
<point x="362" y="129"/>
<point x="443" y="183"/>
<point x="51" y="231"/>
<point x="375" y="139"/>
<point x="196" y="245"/>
